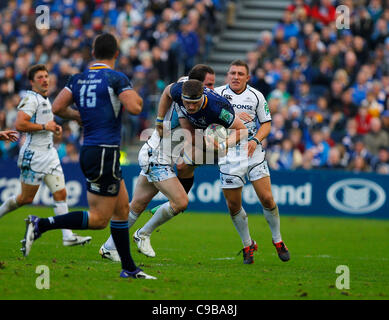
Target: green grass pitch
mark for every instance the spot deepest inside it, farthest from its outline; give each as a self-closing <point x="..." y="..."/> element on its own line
<point x="197" y="260"/>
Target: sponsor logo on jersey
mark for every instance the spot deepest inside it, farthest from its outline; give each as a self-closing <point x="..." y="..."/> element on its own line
<point x="228" y="96"/>
<point x="226" y="115"/>
<point x="266" y="107"/>
<point x="356" y="196"/>
<point x="242" y="106"/>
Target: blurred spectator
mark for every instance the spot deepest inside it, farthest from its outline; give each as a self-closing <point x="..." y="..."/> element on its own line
<point x="71" y="154"/>
<point x="286" y="28"/>
<point x="360" y="150"/>
<point x="298" y="5"/>
<point x="189" y="41"/>
<point x="324" y="12"/>
<point x="285" y="157"/>
<point x="363" y="119"/>
<point x="359" y="164"/>
<point x="277" y="132"/>
<point x="319" y="148"/>
<point x="258" y="81"/>
<point x="334" y="160"/>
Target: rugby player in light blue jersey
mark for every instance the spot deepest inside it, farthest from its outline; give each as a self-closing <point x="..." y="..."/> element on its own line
<point x="99" y="94"/>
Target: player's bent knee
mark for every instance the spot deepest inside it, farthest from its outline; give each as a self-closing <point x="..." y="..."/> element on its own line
<point x="138" y="206"/>
<point x="234" y="206"/>
<point x="25" y="200"/>
<point x="268" y="201"/>
<point x="180" y="204"/>
<point x="55" y="183"/>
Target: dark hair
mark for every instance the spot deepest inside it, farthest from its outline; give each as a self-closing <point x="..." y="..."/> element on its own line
<point x="199" y="71"/>
<point x="34" y="69"/>
<point x="193" y="89"/>
<point x="240" y="63"/>
<point x="105" y="46"/>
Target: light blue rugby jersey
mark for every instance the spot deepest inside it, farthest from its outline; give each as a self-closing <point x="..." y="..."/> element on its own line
<point x="96" y="95"/>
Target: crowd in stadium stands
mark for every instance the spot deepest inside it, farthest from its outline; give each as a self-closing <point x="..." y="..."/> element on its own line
<point x="159" y="41"/>
<point x="327" y="87"/>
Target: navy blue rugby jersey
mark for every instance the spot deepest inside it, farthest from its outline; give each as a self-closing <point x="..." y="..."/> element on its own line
<point x="96" y="95"/>
<point x="216" y="109"/>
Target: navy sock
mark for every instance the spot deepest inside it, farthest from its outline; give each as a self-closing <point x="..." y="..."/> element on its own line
<point x="187" y="183"/>
<point x="77" y="220"/>
<point x="120" y="235"/>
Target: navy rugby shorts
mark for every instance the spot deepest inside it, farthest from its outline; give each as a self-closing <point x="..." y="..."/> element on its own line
<point x="101" y="168"/>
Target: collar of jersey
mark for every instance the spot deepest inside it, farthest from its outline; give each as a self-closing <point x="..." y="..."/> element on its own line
<point x="236" y="92"/>
<point x="37" y="93"/>
<point x="99" y="66"/>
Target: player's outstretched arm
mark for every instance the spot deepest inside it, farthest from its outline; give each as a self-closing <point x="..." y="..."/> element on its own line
<point x="131" y="101"/>
<point x="9" y="135"/>
<point x="61" y="106"/>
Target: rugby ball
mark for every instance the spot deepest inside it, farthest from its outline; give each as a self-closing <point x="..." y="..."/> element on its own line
<point x="215" y="133"/>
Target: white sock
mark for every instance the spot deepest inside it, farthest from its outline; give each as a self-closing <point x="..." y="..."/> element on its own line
<point x="61" y="207"/>
<point x="164" y="213"/>
<point x="240" y="221"/>
<point x="273" y="219"/>
<point x="110" y="244"/>
<point x="9" y="205"/>
<point x="132" y="217"/>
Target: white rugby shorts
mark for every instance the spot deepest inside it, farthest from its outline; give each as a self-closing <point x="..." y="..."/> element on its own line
<point x="236" y="167"/>
<point x="37" y="162"/>
<point x="152" y="170"/>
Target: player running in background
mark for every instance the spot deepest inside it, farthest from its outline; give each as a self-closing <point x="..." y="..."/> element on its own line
<point x="235" y="166"/>
<point x="185" y="172"/>
<point x="38" y="159"/>
<point x="99" y="94"/>
<point x="197" y="107"/>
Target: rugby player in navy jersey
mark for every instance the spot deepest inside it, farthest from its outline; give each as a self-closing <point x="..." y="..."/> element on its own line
<point x="99" y="94"/>
<point x="200" y="107"/>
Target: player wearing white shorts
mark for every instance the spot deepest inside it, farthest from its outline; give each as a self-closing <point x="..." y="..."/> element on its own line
<point x="243" y="162"/>
<point x="38" y="159"/>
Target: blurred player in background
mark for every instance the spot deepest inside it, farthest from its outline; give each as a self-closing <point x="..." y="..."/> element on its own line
<point x="235" y="166"/>
<point x="38" y="159"/>
<point x="100" y="93"/>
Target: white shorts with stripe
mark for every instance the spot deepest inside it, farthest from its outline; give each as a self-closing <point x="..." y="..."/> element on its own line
<point x="37" y="162"/>
<point x="236" y="167"/>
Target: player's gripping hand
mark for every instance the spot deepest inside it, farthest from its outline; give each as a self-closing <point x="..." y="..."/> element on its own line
<point x="53" y="127"/>
<point x="251" y="146"/>
<point x="245" y="117"/>
<point x="9" y="135"/>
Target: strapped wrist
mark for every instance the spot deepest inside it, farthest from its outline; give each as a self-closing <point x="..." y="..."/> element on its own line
<point x="256" y="140"/>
